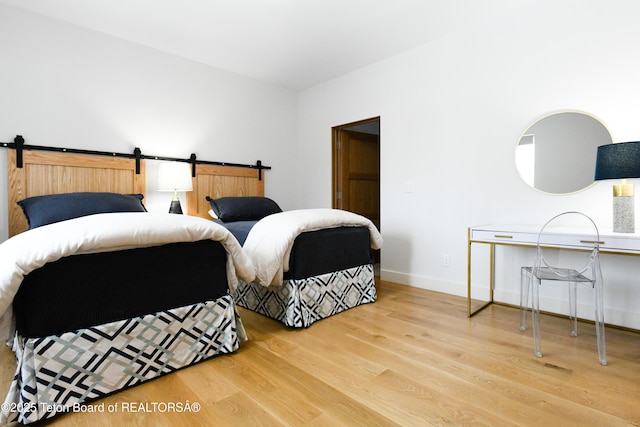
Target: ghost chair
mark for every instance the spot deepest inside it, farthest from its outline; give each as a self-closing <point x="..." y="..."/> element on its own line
<point x="585" y="272"/>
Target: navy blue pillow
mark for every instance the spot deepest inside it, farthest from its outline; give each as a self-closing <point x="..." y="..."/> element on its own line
<point x="249" y="208"/>
<point x="43" y="210"/>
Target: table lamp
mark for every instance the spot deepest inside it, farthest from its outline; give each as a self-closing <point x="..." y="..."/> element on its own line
<point x="174" y="176"/>
<point x="620" y="161"/>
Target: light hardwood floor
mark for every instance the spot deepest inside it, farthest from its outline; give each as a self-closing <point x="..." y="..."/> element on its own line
<point x="411" y="358"/>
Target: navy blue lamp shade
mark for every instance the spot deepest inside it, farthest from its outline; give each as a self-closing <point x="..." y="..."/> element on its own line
<point x="618" y="161"/>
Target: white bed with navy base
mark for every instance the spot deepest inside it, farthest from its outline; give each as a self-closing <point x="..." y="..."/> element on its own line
<point x="310" y="263"/>
<point x="98" y="295"/>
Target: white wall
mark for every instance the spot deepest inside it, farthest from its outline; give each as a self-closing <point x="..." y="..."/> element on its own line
<point x="451" y="114"/>
<point x="61" y="85"/>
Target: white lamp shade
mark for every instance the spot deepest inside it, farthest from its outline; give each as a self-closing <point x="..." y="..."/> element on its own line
<point x="174" y="176"/>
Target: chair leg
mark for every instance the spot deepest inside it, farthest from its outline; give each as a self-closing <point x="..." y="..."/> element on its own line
<point x="535" y="314"/>
<point x="573" y="308"/>
<point x="525" y="278"/>
<point x="599" y="315"/>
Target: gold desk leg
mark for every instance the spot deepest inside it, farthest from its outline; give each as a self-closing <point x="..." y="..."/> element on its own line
<point x="492" y="270"/>
<point x="469" y="272"/>
<point x="491" y="276"/>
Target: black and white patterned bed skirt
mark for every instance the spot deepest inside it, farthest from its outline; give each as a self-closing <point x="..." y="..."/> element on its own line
<point x="57" y="372"/>
<point x="300" y="302"/>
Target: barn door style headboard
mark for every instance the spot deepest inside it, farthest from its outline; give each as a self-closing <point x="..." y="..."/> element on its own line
<point x="38" y="170"/>
<point x="45" y="173"/>
<point x="218" y="181"/>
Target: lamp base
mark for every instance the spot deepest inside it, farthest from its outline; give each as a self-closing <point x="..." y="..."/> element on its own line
<point x="175" y="207"/>
<point x="624" y="214"/>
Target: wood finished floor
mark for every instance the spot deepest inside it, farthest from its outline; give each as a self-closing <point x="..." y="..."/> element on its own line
<point x="411" y="358"/>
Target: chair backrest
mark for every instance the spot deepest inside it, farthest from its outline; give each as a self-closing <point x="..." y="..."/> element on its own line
<point x="588" y="244"/>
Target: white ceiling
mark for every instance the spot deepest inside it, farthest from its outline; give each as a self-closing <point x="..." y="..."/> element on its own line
<point x="295" y="44"/>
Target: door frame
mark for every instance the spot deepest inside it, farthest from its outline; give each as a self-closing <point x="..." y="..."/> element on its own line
<point x="335" y="157"/>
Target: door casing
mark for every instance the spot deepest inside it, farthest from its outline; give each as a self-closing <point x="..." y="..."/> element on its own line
<point x="356" y="169"/>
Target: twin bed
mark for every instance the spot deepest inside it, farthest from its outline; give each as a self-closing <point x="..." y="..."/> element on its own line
<point x="310" y="264"/>
<point x="100" y="295"/>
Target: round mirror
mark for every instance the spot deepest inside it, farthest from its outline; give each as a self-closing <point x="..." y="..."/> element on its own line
<point x="557" y="154"/>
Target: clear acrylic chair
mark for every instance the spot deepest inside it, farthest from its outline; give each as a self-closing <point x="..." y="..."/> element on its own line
<point x="584" y="272"/>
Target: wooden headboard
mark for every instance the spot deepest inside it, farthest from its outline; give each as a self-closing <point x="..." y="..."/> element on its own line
<point x="45" y="172"/>
<point x="54" y="173"/>
<point x="222" y="181"/>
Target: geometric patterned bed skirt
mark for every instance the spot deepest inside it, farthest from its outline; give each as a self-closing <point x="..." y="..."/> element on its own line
<point x="57" y="372"/>
<point x="299" y="303"/>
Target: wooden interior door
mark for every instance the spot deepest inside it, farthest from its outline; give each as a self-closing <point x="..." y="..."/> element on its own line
<point x="359" y="174"/>
<point x="356" y="170"/>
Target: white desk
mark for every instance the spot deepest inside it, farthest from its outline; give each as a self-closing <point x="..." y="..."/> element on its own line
<point x="527" y="236"/>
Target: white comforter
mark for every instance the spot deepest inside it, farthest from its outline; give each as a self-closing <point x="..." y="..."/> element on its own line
<point x="101" y="233"/>
<point x="269" y="242"/>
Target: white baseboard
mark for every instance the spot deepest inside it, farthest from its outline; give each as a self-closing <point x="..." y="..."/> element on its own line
<point x="424" y="282"/>
<point x="612" y="316"/>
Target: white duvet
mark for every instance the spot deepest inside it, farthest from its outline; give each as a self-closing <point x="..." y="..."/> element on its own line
<point x="32" y="249"/>
<point x="270" y="241"/>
